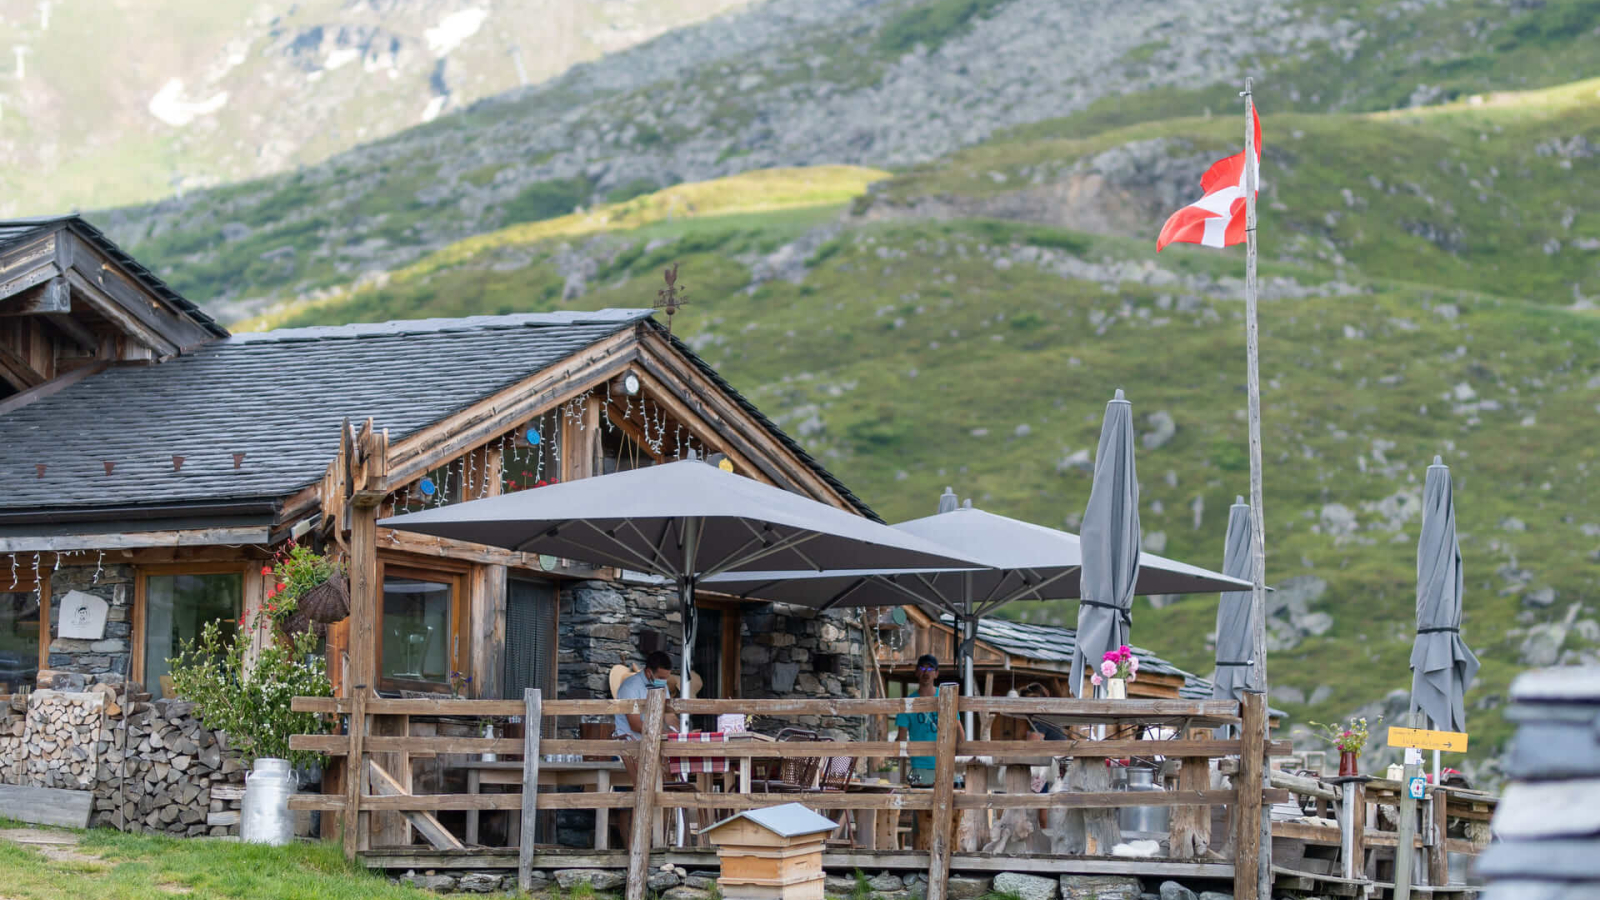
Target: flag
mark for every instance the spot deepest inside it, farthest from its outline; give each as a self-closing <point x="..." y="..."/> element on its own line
<point x="1218" y="218"/>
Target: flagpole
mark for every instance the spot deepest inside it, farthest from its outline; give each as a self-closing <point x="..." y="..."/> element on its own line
<point x="1258" y="540"/>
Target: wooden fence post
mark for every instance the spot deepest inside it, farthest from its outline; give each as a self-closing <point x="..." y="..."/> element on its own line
<point x="1191" y="825"/>
<point x="1250" y="785"/>
<point x="532" y="719"/>
<point x="944" y="791"/>
<point x="1438" y="826"/>
<point x="1353" y="830"/>
<point x="355" y="770"/>
<point x="644" y="793"/>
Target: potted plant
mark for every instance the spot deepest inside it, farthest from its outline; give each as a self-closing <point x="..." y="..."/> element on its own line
<point x="1350" y="738"/>
<point x="308" y="587"/>
<point x="1117" y="668"/>
<point x="250" y="702"/>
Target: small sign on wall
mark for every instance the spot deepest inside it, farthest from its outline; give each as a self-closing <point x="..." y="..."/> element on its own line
<point x="83" y="616"/>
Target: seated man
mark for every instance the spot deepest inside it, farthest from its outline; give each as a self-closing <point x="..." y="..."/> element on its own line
<point x="630" y="726"/>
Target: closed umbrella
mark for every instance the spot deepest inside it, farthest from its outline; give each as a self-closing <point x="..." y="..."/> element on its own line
<point x="1233" y="613"/>
<point x="683" y="521"/>
<point x="1442" y="665"/>
<point x="1110" y="543"/>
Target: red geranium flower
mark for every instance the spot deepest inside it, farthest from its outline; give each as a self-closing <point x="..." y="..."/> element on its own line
<point x="266" y="570"/>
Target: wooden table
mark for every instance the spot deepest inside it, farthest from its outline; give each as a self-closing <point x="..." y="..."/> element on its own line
<point x="598" y="775"/>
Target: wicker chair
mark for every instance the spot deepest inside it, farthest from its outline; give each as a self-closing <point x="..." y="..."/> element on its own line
<point x="795" y="773"/>
<point x="835" y="778"/>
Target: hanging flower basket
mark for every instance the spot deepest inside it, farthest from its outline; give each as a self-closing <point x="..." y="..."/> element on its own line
<point x="329" y="601"/>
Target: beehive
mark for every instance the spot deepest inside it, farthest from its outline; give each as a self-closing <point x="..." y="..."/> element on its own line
<point x="771" y="854"/>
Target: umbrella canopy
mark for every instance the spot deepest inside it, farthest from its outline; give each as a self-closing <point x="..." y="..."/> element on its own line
<point x="1233" y="613"/>
<point x="1442" y="665"/>
<point x="683" y="521"/>
<point x="1110" y="542"/>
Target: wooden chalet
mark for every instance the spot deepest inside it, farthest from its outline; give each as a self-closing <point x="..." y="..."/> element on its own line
<point x="156" y="461"/>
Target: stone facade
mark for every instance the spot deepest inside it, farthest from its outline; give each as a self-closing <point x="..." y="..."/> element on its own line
<point x="108" y="659"/>
<point x="785" y="651"/>
<point x="177" y="778"/>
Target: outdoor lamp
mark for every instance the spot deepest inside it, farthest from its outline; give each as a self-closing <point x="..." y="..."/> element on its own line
<point x="631" y="384"/>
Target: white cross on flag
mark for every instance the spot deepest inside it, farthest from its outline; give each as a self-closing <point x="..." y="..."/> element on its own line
<point x="1218" y="218"/>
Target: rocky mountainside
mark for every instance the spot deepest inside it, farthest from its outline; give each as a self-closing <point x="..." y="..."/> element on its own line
<point x="103" y="103"/>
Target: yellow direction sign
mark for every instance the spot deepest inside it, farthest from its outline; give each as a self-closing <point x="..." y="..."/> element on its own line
<point x="1422" y="739"/>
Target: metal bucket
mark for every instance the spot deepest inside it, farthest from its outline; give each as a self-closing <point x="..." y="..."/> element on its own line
<point x="264" y="817"/>
<point x="1143" y="821"/>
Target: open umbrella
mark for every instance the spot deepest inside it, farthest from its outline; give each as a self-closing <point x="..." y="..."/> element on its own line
<point x="1442" y="665"/>
<point x="1110" y="540"/>
<point x="1233" y="613"/>
<point x="683" y="521"/>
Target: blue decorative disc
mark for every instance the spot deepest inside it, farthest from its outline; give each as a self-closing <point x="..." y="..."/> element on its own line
<point x="427" y="487"/>
<point x="533" y="437"/>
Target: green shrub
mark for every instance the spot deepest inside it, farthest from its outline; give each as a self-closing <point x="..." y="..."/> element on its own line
<point x="635" y="188"/>
<point x="547" y="200"/>
<point x="931" y="24"/>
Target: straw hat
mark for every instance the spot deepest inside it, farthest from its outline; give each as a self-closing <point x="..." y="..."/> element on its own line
<point x="621" y="672"/>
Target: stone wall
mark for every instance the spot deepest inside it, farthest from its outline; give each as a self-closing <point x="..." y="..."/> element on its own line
<point x="785" y="651"/>
<point x="109" y="656"/>
<point x="178" y="777"/>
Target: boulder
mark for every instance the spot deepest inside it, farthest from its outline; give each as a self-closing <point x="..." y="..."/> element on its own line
<point x="1096" y="887"/>
<point x="478" y="883"/>
<point x="885" y="881"/>
<point x="1171" y="890"/>
<point x="684" y="892"/>
<point x="597" y="879"/>
<point x="1027" y="887"/>
<point x="967" y="887"/>
<point x="660" y="881"/>
<point x="438" y="883"/>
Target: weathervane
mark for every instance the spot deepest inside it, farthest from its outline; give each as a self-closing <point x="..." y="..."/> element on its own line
<point x="670" y="298"/>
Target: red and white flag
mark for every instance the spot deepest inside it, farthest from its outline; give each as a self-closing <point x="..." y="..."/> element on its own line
<point x="1218" y="218"/>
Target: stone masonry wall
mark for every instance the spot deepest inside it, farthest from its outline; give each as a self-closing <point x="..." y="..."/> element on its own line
<point x="108" y="657"/>
<point x="177" y="778"/>
<point x="786" y="651"/>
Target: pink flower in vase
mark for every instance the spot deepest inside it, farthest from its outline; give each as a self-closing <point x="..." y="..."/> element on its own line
<point x="1096" y="680"/>
<point x="1108" y="668"/>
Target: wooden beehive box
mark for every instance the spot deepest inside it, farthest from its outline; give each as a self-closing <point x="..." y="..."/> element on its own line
<point x="771" y="854"/>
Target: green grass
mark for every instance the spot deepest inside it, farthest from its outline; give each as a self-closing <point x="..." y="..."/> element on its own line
<point x="931" y="23"/>
<point x="135" y="867"/>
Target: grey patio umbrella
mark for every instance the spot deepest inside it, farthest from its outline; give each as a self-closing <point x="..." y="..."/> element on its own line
<point x="1233" y="613"/>
<point x="1442" y="665"/>
<point x="683" y="521"/>
<point x="1110" y="542"/>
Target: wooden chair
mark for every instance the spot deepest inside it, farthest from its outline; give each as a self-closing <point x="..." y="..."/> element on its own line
<point x="795" y="773"/>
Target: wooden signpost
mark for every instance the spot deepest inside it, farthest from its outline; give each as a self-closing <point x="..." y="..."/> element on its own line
<point x="1423" y="739"/>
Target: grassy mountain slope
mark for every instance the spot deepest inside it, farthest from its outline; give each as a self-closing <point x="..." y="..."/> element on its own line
<point x="946" y="329"/>
<point x="88" y="121"/>
<point x="881" y="84"/>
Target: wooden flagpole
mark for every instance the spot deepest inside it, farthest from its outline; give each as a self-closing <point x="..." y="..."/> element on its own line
<point x="1258" y="541"/>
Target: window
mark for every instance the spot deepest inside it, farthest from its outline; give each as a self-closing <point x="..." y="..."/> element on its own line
<point x="176" y="607"/>
<point x="530" y="655"/>
<point x="620" y="453"/>
<point x="418" y="643"/>
<point x="532" y="458"/>
<point x="19" y="638"/>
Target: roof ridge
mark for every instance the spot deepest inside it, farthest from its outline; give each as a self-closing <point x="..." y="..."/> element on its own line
<point x="555" y="318"/>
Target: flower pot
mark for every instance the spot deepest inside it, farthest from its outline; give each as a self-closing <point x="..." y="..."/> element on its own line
<point x="328" y="602"/>
<point x="1116" y="689"/>
<point x="264" y="815"/>
<point x="1347" y="763"/>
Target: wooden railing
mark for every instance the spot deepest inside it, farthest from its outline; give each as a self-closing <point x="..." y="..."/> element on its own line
<point x="381" y="752"/>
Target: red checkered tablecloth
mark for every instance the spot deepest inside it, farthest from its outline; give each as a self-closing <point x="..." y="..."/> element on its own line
<point x="681" y="767"/>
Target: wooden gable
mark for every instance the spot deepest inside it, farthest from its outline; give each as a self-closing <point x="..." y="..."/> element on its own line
<point x="71" y="303"/>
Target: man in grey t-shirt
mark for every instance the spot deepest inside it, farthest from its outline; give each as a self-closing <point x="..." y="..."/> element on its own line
<point x="657" y="666"/>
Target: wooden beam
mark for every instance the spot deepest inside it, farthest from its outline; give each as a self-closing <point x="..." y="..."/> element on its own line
<point x="645" y="782"/>
<point x="200" y="537"/>
<point x="54" y="385"/>
<point x="74" y="332"/>
<point x="28" y="265"/>
<point x="386" y="785"/>
<point x="137" y="322"/>
<point x="49" y="296"/>
<point x="16" y="369"/>
<point x="1437" y="828"/>
<point x="355" y="771"/>
<point x="1093" y="800"/>
<point x="531" y="719"/>
<point x="1309" y="787"/>
<point x="1190" y="833"/>
<point x="444" y="706"/>
<point x="106" y="278"/>
<point x="46" y="806"/>
<point x="1249" y="784"/>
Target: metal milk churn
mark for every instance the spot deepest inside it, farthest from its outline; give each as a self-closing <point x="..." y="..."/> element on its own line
<point x="1143" y="821"/>
<point x="264" y="817"/>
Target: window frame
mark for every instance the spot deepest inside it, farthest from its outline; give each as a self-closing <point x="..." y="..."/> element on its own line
<point x="141" y="577"/>
<point x="460" y="657"/>
<point x="42" y="586"/>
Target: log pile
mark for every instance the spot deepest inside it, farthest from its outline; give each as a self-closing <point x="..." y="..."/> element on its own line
<point x="157" y="769"/>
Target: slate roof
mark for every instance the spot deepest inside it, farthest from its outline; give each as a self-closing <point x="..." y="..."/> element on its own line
<point x="279" y="397"/>
<point x="784" y="820"/>
<point x="1054" y="644"/>
<point x="18" y="230"/>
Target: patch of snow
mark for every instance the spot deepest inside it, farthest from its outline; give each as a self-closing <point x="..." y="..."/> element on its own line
<point x="341" y="57"/>
<point x="454" y="29"/>
<point x="170" y="107"/>
<point x="435" y="106"/>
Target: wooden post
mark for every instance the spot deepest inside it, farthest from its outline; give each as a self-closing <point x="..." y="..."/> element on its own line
<point x="1249" y="785"/>
<point x="355" y="770"/>
<point x="362" y="669"/>
<point x="1438" y="856"/>
<point x="944" y="792"/>
<point x="1353" y="830"/>
<point x="644" y="793"/>
<point x="391" y="829"/>
<point x="532" y="718"/>
<point x="1191" y="825"/>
